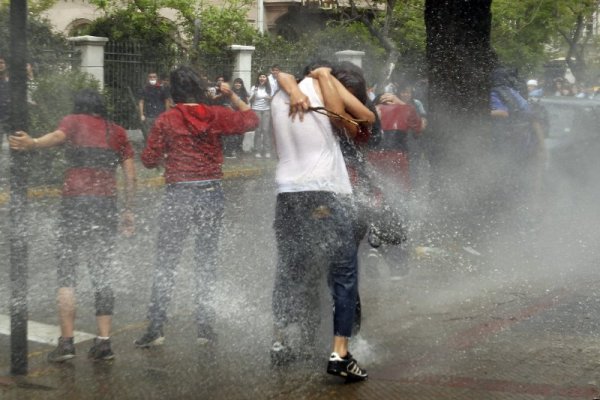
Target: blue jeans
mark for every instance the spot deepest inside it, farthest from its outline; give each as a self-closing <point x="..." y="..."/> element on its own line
<point x="315" y="234"/>
<point x="262" y="134"/>
<point x="195" y="207"/>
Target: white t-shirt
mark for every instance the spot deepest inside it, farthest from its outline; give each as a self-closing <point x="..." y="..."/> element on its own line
<point x="274" y="84"/>
<point x="260" y="98"/>
<point x="309" y="152"/>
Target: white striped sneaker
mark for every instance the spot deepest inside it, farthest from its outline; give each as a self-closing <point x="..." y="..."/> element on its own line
<point x="346" y="367"/>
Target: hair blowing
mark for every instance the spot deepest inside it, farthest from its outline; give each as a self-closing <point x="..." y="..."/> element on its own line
<point x="187" y="86"/>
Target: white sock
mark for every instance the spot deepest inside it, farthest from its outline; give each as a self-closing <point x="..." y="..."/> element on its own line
<point x="103" y="337"/>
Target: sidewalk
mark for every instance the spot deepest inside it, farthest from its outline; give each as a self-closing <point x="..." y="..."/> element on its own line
<point x="243" y="166"/>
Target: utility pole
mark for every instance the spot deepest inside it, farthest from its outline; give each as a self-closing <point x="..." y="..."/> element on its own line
<point x="19" y="171"/>
<point x="196" y="42"/>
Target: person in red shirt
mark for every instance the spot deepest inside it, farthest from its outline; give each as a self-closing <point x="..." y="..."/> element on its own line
<point x="88" y="216"/>
<point x="390" y="156"/>
<point x="186" y="141"/>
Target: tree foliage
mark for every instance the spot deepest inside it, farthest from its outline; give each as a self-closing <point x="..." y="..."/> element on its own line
<point x="47" y="49"/>
<point x="222" y="26"/>
<point x="573" y="25"/>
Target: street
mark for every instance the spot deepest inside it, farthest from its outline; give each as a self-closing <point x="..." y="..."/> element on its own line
<point x="514" y="316"/>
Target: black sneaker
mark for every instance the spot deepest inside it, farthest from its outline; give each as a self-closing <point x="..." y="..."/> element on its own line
<point x="150" y="339"/>
<point x="64" y="351"/>
<point x="346" y="367"/>
<point x="281" y="354"/>
<point x="101" y="350"/>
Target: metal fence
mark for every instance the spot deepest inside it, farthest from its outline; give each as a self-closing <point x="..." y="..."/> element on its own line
<point x="126" y="66"/>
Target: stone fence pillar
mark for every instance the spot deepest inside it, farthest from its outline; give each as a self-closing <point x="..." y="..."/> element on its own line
<point x="92" y="55"/>
<point x="242" y="67"/>
<point x="355" y="57"/>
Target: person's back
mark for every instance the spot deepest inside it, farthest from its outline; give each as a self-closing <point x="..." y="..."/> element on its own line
<point x="309" y="154"/>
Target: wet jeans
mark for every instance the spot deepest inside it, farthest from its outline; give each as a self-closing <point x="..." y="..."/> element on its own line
<point x="88" y="227"/>
<point x="315" y="235"/>
<point x="196" y="208"/>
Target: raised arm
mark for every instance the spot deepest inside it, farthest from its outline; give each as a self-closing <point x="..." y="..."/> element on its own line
<point x="339" y="100"/>
<point x="236" y="100"/>
<point x="299" y="102"/>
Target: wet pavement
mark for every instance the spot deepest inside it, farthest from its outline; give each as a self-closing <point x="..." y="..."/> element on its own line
<point x="516" y="319"/>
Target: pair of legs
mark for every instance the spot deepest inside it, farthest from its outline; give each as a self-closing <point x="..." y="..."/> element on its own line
<point x="147" y="125"/>
<point x="315" y="235"/>
<point x="88" y="225"/>
<point x="232" y="145"/>
<point x="189" y="207"/>
<point x="262" y="135"/>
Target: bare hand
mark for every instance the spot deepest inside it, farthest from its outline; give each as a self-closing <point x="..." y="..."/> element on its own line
<point x="225" y="89"/>
<point x="20" y="141"/>
<point x="299" y="104"/>
<point x="389" y="98"/>
<point x="321" y="71"/>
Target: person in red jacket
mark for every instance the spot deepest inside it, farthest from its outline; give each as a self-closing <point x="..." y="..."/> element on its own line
<point x="186" y="141"/>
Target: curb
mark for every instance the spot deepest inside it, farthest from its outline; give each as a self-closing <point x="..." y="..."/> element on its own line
<point x="43" y="192"/>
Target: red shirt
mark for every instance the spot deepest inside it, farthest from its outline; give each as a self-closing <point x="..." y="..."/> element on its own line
<point x="88" y="131"/>
<point x="186" y="140"/>
<point x="399" y="117"/>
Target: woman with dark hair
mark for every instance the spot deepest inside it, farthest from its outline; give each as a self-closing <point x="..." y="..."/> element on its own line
<point x="88" y="216"/>
<point x="232" y="145"/>
<point x="260" y="98"/>
<point x="186" y="141"/>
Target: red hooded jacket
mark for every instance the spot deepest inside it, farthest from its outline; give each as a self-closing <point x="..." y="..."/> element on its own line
<point x="186" y="140"/>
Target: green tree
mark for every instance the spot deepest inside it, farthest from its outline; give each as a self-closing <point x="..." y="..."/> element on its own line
<point x="573" y="21"/>
<point x="520" y="32"/>
<point x="48" y="50"/>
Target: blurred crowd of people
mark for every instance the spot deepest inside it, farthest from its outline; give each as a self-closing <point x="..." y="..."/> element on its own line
<point x="562" y="87"/>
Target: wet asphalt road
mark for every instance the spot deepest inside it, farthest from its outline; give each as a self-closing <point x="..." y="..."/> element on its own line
<point x="519" y="319"/>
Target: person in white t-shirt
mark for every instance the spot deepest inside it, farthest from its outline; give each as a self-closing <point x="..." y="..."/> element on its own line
<point x="260" y="100"/>
<point x="314" y="218"/>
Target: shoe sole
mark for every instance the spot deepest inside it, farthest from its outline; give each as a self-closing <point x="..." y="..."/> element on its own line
<point x="156" y="342"/>
<point x="105" y="358"/>
<point x="348" y="377"/>
<point x="62" y="358"/>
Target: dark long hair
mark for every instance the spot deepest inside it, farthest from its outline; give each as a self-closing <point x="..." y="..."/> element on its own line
<point x="351" y="76"/>
<point x="242" y="92"/>
<point x="187" y="86"/>
<point x="89" y="101"/>
<point x="267" y="83"/>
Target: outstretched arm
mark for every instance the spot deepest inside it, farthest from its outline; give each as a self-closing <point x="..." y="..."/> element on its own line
<point x="21" y="141"/>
